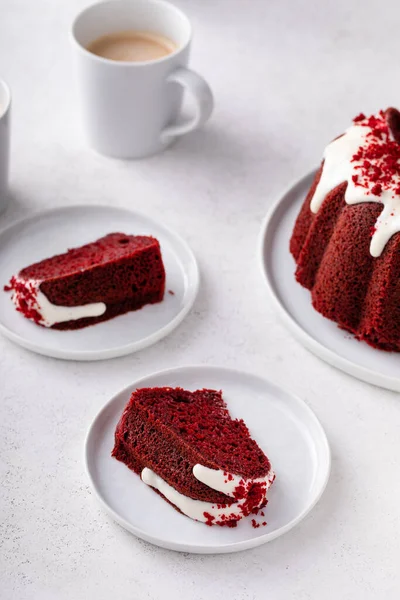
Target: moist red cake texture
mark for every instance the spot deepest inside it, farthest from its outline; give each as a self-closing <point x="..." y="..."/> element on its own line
<point x="332" y="246"/>
<point x="124" y="272"/>
<point x="170" y="430"/>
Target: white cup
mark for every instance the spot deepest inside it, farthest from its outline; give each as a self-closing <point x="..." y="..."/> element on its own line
<point x="131" y="109"/>
<point x="5" y="113"/>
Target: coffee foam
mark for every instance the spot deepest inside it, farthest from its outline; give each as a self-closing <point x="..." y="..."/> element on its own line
<point x="132" y="46"/>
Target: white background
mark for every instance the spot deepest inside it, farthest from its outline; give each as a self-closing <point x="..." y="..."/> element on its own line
<point x="287" y="77"/>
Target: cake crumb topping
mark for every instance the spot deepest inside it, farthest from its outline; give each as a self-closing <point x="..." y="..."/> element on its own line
<point x="367" y="158"/>
<point x="378" y="160"/>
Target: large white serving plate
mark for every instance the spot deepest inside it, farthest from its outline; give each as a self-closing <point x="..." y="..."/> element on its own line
<point x="293" y="302"/>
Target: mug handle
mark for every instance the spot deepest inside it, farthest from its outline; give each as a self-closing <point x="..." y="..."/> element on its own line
<point x="202" y="95"/>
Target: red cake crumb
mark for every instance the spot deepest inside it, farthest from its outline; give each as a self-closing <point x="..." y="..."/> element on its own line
<point x="124" y="272"/>
<point x="170" y="430"/>
<point x="360" y="117"/>
<point x="256" y="525"/>
<point x="210" y="519"/>
<point x="171" y="292"/>
<point x="376" y="189"/>
<point x="27" y="302"/>
<point x="230" y="523"/>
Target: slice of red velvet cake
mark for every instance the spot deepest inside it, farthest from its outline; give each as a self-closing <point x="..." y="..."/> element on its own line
<point x="116" y="274"/>
<point x="187" y="447"/>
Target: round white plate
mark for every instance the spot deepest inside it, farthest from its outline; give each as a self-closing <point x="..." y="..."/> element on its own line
<point x="283" y="425"/>
<point x="293" y="302"/>
<point x="52" y="232"/>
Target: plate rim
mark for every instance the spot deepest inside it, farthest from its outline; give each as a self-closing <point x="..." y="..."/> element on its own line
<point x="317" y="348"/>
<point x="94" y="355"/>
<point x="232" y="546"/>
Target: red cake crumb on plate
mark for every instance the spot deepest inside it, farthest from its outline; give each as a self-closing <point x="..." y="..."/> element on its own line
<point x="188" y="448"/>
<point x="93" y="283"/>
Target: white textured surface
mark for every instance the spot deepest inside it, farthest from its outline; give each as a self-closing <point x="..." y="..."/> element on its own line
<point x="287" y="76"/>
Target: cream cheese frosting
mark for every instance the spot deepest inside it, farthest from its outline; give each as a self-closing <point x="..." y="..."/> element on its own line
<point x="208" y="512"/>
<point x="51" y="313"/>
<point x="367" y="158"/>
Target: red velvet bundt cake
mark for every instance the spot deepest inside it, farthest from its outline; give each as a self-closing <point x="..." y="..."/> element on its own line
<point x="116" y="274"/>
<point x="346" y="240"/>
<point x="187" y="447"/>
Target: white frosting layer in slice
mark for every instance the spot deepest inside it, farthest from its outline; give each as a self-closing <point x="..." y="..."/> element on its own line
<point x="52" y="313"/>
<point x="215" y="479"/>
<point x="222" y="481"/>
<point x="340" y="166"/>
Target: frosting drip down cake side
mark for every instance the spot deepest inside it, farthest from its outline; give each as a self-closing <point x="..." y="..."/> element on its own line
<point x="96" y="282"/>
<point x="346" y="237"/>
<point x="186" y="446"/>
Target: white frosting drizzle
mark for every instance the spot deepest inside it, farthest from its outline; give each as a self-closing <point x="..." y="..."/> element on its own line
<point x="52" y="313"/>
<point x="222" y="481"/>
<point x="338" y="167"/>
<point x="215" y="479"/>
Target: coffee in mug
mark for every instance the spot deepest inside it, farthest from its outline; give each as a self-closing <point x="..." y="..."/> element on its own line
<point x="132" y="69"/>
<point x="132" y="46"/>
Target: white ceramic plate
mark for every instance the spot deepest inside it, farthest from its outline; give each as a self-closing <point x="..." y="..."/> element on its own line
<point x="286" y="429"/>
<point x="293" y="302"/>
<point x="52" y="232"/>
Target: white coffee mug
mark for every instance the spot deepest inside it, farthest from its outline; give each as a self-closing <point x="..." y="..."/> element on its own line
<point x="131" y="109"/>
<point x="5" y="124"/>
